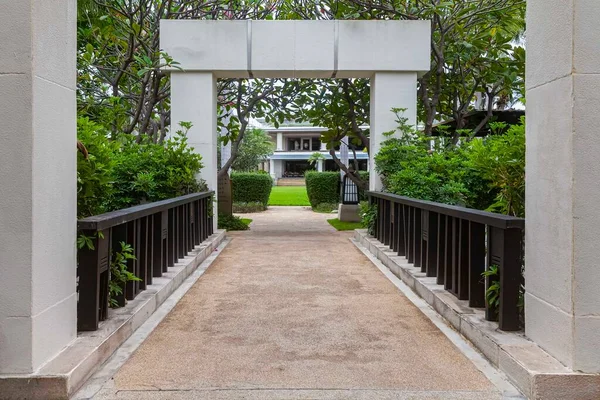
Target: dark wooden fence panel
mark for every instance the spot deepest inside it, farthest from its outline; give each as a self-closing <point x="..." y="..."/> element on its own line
<point x="160" y="233"/>
<point x="457" y="245"/>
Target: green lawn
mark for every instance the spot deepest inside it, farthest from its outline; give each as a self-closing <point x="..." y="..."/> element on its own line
<point x="344" y="226"/>
<point x="289" y="196"/>
<point x="247" y="221"/>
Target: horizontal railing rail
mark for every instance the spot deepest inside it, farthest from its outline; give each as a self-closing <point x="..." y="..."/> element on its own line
<point x="160" y="234"/>
<point x="457" y="245"/>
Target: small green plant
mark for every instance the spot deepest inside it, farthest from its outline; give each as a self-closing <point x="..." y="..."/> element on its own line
<point x="248" y="207"/>
<point x="368" y="214"/>
<point x="119" y="274"/>
<point x="492" y="294"/>
<point x="344" y="226"/>
<point x="232" y="223"/>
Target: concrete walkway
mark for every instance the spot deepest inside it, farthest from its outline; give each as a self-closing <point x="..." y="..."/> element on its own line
<point x="293" y="310"/>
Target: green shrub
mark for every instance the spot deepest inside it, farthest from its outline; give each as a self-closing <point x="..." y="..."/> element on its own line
<point x="326" y="208"/>
<point x="251" y="207"/>
<point x="147" y="172"/>
<point x="368" y="216"/>
<point x="232" y="223"/>
<point x="95" y="169"/>
<point x="251" y="187"/>
<point x="323" y="187"/>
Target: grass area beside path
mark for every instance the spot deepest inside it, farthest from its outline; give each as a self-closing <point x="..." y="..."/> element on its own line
<point x="344" y="226"/>
<point x="289" y="196"/>
<point x="247" y="221"/>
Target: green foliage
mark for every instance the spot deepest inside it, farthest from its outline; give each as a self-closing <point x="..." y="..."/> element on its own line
<point x="121" y="173"/>
<point x="94" y="172"/>
<point x="233" y="223"/>
<point x="368" y="215"/>
<point x="255" y="147"/>
<point x="248" y="207"/>
<point x="289" y="196"/>
<point x="344" y="226"/>
<point x="147" y="171"/>
<point x="492" y="294"/>
<point x="500" y="160"/>
<point x="119" y="274"/>
<point x="251" y="187"/>
<point x="323" y="187"/>
<point x="487" y="174"/>
<point x="326" y="208"/>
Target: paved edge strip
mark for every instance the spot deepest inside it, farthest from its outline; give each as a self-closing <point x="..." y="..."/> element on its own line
<point x="69" y="370"/>
<point x="496" y="377"/>
<point x="100" y="379"/>
<point x="534" y="372"/>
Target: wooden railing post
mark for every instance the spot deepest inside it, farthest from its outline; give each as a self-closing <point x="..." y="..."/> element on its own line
<point x="401" y="231"/>
<point x="505" y="249"/>
<point x="476" y="264"/>
<point x="432" y="243"/>
<point x="93" y="265"/>
<point x="462" y="267"/>
<point x="418" y="237"/>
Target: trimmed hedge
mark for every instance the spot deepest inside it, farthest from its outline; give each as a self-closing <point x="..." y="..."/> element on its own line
<point x="251" y="187"/>
<point x="323" y="187"/>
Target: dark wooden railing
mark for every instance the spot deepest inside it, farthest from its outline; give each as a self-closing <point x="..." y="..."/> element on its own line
<point x="456" y="245"/>
<point x="160" y="233"/>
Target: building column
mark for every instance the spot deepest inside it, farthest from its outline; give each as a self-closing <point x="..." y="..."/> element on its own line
<point x="320" y="165"/>
<point x="38" y="200"/>
<point x="323" y="146"/>
<point x="389" y="90"/>
<point x="194" y="99"/>
<point x="279" y="141"/>
<point x="562" y="305"/>
<point x="272" y="169"/>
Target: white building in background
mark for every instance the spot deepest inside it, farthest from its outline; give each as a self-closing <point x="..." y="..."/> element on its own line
<point x="294" y="146"/>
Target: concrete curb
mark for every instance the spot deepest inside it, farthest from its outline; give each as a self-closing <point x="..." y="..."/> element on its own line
<point x="67" y="372"/>
<point x="534" y="372"/>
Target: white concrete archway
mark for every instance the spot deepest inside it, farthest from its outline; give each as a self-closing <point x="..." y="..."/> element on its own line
<point x="390" y="53"/>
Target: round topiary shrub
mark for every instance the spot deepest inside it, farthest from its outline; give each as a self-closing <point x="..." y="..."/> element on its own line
<point x="251" y="187"/>
<point x="323" y="187"/>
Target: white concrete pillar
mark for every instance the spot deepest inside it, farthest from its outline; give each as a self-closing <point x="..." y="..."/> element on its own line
<point x="323" y="146"/>
<point x="389" y="90"/>
<point x="272" y="169"/>
<point x="194" y="99"/>
<point x="279" y="141"/>
<point x="38" y="201"/>
<point x="562" y="303"/>
<point x="320" y="165"/>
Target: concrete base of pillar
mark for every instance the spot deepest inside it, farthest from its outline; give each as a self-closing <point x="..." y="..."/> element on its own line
<point x="66" y="373"/>
<point x="349" y="213"/>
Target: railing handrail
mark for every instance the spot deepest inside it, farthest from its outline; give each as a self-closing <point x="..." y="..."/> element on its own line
<point x="118" y="217"/>
<point x="483" y="217"/>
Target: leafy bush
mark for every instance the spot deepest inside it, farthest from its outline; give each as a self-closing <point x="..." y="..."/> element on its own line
<point x="487" y="174"/>
<point x="251" y="187"/>
<point x="500" y="160"/>
<point x="326" y="207"/>
<point x="323" y="187"/>
<point x="94" y="168"/>
<point x="121" y="173"/>
<point x="147" y="172"/>
<point x="254" y="148"/>
<point x="368" y="216"/>
<point x="251" y="207"/>
<point x="232" y="223"/>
